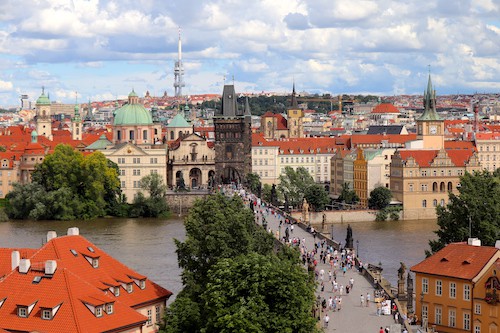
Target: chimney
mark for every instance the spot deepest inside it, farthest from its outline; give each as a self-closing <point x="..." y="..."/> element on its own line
<point x="474" y="241"/>
<point x="51" y="234"/>
<point x="50" y="267"/>
<point x="74" y="231"/>
<point x="16" y="257"/>
<point x="24" y="266"/>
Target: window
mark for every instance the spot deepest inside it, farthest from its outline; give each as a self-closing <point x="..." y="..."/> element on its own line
<point x="137" y="160"/>
<point x="145" y="134"/>
<point x="158" y="313"/>
<point x="123" y="184"/>
<point x="121" y="160"/>
<point x="22" y="311"/>
<point x="150" y="317"/>
<point x="122" y="172"/>
<point x="154" y="171"/>
<point x="95" y="262"/>
<point x="439" y="287"/>
<point x="136" y="184"/>
<point x="410" y="187"/>
<point x="434" y="203"/>
<point x="130" y="288"/>
<point x="477" y="328"/>
<point x="153" y="160"/>
<point x="116" y="291"/>
<point x="46" y="314"/>
<point x="466" y="321"/>
<point x="466" y="292"/>
<point x="453" y="290"/>
<point x="438" y="315"/>
<point x="131" y="135"/>
<point x="452" y="317"/>
<point x="424" y="203"/>
<point x="424" y="311"/>
<point x="98" y="311"/>
<point x="142" y="284"/>
<point x="109" y="308"/>
<point x="425" y="285"/>
<point x="137" y="172"/>
<point x="477" y="309"/>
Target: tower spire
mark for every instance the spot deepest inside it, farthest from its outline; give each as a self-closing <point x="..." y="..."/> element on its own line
<point x="179" y="69"/>
<point x="294" y="103"/>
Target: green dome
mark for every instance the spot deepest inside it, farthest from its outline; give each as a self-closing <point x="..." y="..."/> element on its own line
<point x="132" y="114"/>
<point x="178" y="121"/>
<point x="43" y="100"/>
<point x="132" y="94"/>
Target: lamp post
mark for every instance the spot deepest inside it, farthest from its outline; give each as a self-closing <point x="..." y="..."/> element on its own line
<point x="357" y="248"/>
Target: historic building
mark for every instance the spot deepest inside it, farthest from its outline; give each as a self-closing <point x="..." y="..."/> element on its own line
<point x="295" y="118"/>
<point x="43" y="116"/>
<point x="457" y="288"/>
<point x="233" y="145"/>
<point x="488" y="150"/>
<point x="71" y="285"/>
<point x="192" y="159"/>
<point x="422" y="177"/>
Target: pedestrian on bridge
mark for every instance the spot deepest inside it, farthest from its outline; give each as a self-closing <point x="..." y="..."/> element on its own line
<point x="327" y="320"/>
<point x="362" y="298"/>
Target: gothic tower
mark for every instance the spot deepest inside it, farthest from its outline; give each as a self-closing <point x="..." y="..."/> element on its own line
<point x="295" y="118"/>
<point x="43" y="116"/>
<point x="430" y="127"/>
<point x="233" y="140"/>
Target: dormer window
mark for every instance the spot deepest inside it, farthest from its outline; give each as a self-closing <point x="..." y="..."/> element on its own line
<point x="142" y="284"/>
<point x="116" y="291"/>
<point x="95" y="262"/>
<point x="46" y="314"/>
<point x="98" y="311"/>
<point x="22" y="311"/>
<point x="109" y="308"/>
<point x="130" y="287"/>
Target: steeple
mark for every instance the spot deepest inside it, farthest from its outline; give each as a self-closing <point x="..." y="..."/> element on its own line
<point x="430" y="112"/>
<point x="77" y="109"/>
<point x="294" y="104"/>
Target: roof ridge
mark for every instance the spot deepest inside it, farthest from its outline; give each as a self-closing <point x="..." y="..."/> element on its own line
<point x="70" y="296"/>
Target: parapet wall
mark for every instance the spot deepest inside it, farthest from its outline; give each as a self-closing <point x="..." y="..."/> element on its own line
<point x="339" y="216"/>
<point x="180" y="202"/>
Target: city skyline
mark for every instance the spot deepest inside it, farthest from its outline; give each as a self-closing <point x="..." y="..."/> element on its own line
<point x="104" y="49"/>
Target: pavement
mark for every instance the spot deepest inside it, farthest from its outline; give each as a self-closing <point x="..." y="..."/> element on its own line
<point x="352" y="318"/>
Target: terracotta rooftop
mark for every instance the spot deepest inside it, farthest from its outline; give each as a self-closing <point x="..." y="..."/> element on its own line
<point x="458" y="260"/>
<point x="385" y="108"/>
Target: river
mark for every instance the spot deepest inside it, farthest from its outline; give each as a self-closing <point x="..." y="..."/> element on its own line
<point x="147" y="245"/>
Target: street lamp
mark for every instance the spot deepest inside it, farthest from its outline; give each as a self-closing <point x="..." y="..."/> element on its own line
<point x="357" y="248"/>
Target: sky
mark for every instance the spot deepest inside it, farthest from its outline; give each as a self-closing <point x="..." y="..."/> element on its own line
<point x="102" y="49"/>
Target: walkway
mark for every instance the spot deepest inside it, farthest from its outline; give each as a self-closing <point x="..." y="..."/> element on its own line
<point x="352" y="318"/>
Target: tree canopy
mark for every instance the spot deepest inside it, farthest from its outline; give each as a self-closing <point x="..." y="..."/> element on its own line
<point x="293" y="184"/>
<point x="226" y="260"/>
<point x="153" y="205"/>
<point x="317" y="197"/>
<point x="347" y="195"/>
<point x="477" y="206"/>
<point x="380" y="197"/>
<point x="67" y="185"/>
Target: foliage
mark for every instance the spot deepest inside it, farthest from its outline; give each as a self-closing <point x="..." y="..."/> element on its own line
<point x="247" y="294"/>
<point x="317" y="197"/>
<point x="67" y="186"/>
<point x="381" y="216"/>
<point x="390" y="211"/>
<point x="155" y="204"/>
<point x="477" y="205"/>
<point x="266" y="192"/>
<point x="347" y="195"/>
<point x="380" y="197"/>
<point x="253" y="181"/>
<point x="294" y="183"/>
<point x="232" y="280"/>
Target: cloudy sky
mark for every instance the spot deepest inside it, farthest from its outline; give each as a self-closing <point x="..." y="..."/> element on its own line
<point x="105" y="48"/>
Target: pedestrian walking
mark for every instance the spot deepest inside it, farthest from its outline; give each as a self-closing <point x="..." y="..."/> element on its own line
<point x="368" y="299"/>
<point x="362" y="298"/>
<point x="327" y="320"/>
<point x="396" y="317"/>
<point x="351" y="282"/>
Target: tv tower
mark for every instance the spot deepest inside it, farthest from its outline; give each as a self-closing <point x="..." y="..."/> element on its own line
<point x="179" y="70"/>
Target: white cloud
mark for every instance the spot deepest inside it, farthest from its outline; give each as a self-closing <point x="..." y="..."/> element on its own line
<point x="6" y="85"/>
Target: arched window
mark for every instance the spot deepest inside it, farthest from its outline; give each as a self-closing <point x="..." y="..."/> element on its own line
<point x="442" y="202"/>
<point x="180" y="134"/>
<point x="131" y="135"/>
<point x="434" y="203"/>
<point x="434" y="187"/>
<point x="172" y="135"/>
<point x="424" y="203"/>
<point x="442" y="187"/>
<point x="119" y="135"/>
<point x="145" y="134"/>
<point x="450" y="186"/>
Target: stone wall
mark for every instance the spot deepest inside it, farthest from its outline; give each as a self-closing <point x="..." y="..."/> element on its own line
<point x="339" y="216"/>
<point x="180" y="202"/>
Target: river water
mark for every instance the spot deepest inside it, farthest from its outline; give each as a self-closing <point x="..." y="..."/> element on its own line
<point x="147" y="245"/>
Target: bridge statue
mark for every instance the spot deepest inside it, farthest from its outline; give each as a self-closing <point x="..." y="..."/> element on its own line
<point x="305" y="211"/>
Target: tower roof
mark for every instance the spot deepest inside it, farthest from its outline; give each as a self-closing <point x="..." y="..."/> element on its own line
<point x="430" y="113"/>
<point x="43" y="99"/>
<point x="178" y="121"/>
<point x="229" y="105"/>
<point x="294" y="104"/>
<point x="133" y="113"/>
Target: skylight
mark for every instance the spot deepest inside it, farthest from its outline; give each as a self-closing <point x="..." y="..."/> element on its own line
<point x="74" y="253"/>
<point x="37" y="279"/>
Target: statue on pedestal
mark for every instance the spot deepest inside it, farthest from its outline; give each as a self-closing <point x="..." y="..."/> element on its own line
<point x="305" y="211"/>
<point x="348" y="239"/>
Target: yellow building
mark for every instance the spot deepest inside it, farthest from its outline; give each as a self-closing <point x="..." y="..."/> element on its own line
<point x="295" y="118"/>
<point x="488" y="150"/>
<point x="454" y="289"/>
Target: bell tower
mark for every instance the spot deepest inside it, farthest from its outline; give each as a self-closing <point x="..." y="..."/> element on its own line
<point x="76" y="122"/>
<point x="295" y="117"/>
<point x="43" y="116"/>
<point x="430" y="126"/>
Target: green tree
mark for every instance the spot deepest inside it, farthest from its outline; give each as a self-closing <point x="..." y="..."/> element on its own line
<point x="217" y="227"/>
<point x="294" y="183"/>
<point x="477" y="206"/>
<point x="266" y="192"/>
<point x="155" y="204"/>
<point x="253" y="181"/>
<point x="247" y="294"/>
<point x="347" y="195"/>
<point x="317" y="196"/>
<point x="380" y="197"/>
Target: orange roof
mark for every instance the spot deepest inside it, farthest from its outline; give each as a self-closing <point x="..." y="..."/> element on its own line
<point x="459" y="145"/>
<point x="422" y="157"/>
<point x="357" y="139"/>
<point x="458" y="260"/>
<point x="75" y="283"/>
<point x="385" y="108"/>
<point x="281" y="121"/>
<point x="460" y="157"/>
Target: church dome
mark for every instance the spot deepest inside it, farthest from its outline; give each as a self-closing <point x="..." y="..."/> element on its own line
<point x="43" y="99"/>
<point x="132" y="113"/>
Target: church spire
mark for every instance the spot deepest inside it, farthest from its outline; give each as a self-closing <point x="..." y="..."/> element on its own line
<point x="294" y="103"/>
<point x="429" y="101"/>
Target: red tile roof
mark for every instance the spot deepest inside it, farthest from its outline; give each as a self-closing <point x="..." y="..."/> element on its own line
<point x="385" y="108"/>
<point x="458" y="260"/>
<point x="423" y="158"/>
<point x="281" y="122"/>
